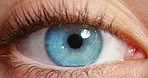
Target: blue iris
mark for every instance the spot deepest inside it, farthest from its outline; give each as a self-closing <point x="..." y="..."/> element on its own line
<point x="73" y="45"/>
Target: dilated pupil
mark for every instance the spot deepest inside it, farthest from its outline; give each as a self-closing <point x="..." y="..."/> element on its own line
<point x="75" y="41"/>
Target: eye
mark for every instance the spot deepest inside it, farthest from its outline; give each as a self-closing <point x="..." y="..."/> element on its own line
<point x="75" y="45"/>
<point x="72" y="40"/>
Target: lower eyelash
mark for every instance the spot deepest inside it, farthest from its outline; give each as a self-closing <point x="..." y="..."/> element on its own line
<point x="33" y="71"/>
<point x="21" y="69"/>
<point x="38" y="72"/>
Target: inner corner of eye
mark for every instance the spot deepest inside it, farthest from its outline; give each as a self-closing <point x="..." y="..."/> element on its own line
<point x="134" y="52"/>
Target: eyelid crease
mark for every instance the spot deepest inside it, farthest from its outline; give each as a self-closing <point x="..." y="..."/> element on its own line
<point x="132" y="25"/>
<point x="138" y="28"/>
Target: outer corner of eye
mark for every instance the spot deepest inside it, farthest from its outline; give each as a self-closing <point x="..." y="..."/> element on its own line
<point x="134" y="52"/>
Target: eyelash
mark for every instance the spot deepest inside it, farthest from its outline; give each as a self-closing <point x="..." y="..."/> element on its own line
<point x="44" y="19"/>
<point x="15" y="28"/>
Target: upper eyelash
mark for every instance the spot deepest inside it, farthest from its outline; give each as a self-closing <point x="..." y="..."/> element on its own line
<point x="15" y="28"/>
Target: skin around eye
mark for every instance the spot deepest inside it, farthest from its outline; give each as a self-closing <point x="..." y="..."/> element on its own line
<point x="118" y="69"/>
<point x="140" y="9"/>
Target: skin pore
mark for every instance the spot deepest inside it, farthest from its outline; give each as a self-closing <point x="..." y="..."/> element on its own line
<point x="131" y="17"/>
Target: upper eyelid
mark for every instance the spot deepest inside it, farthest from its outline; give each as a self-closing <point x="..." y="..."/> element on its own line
<point x="119" y="20"/>
<point x="135" y="25"/>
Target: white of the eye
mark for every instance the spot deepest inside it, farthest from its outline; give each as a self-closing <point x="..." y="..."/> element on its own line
<point x="113" y="49"/>
<point x="33" y="47"/>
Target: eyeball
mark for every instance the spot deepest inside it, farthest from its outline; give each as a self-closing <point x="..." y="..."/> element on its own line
<point x="72" y="45"/>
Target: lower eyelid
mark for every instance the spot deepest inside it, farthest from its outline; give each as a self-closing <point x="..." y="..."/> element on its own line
<point x="106" y="70"/>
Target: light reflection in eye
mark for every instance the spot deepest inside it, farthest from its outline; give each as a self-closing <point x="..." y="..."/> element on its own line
<point x="85" y="33"/>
